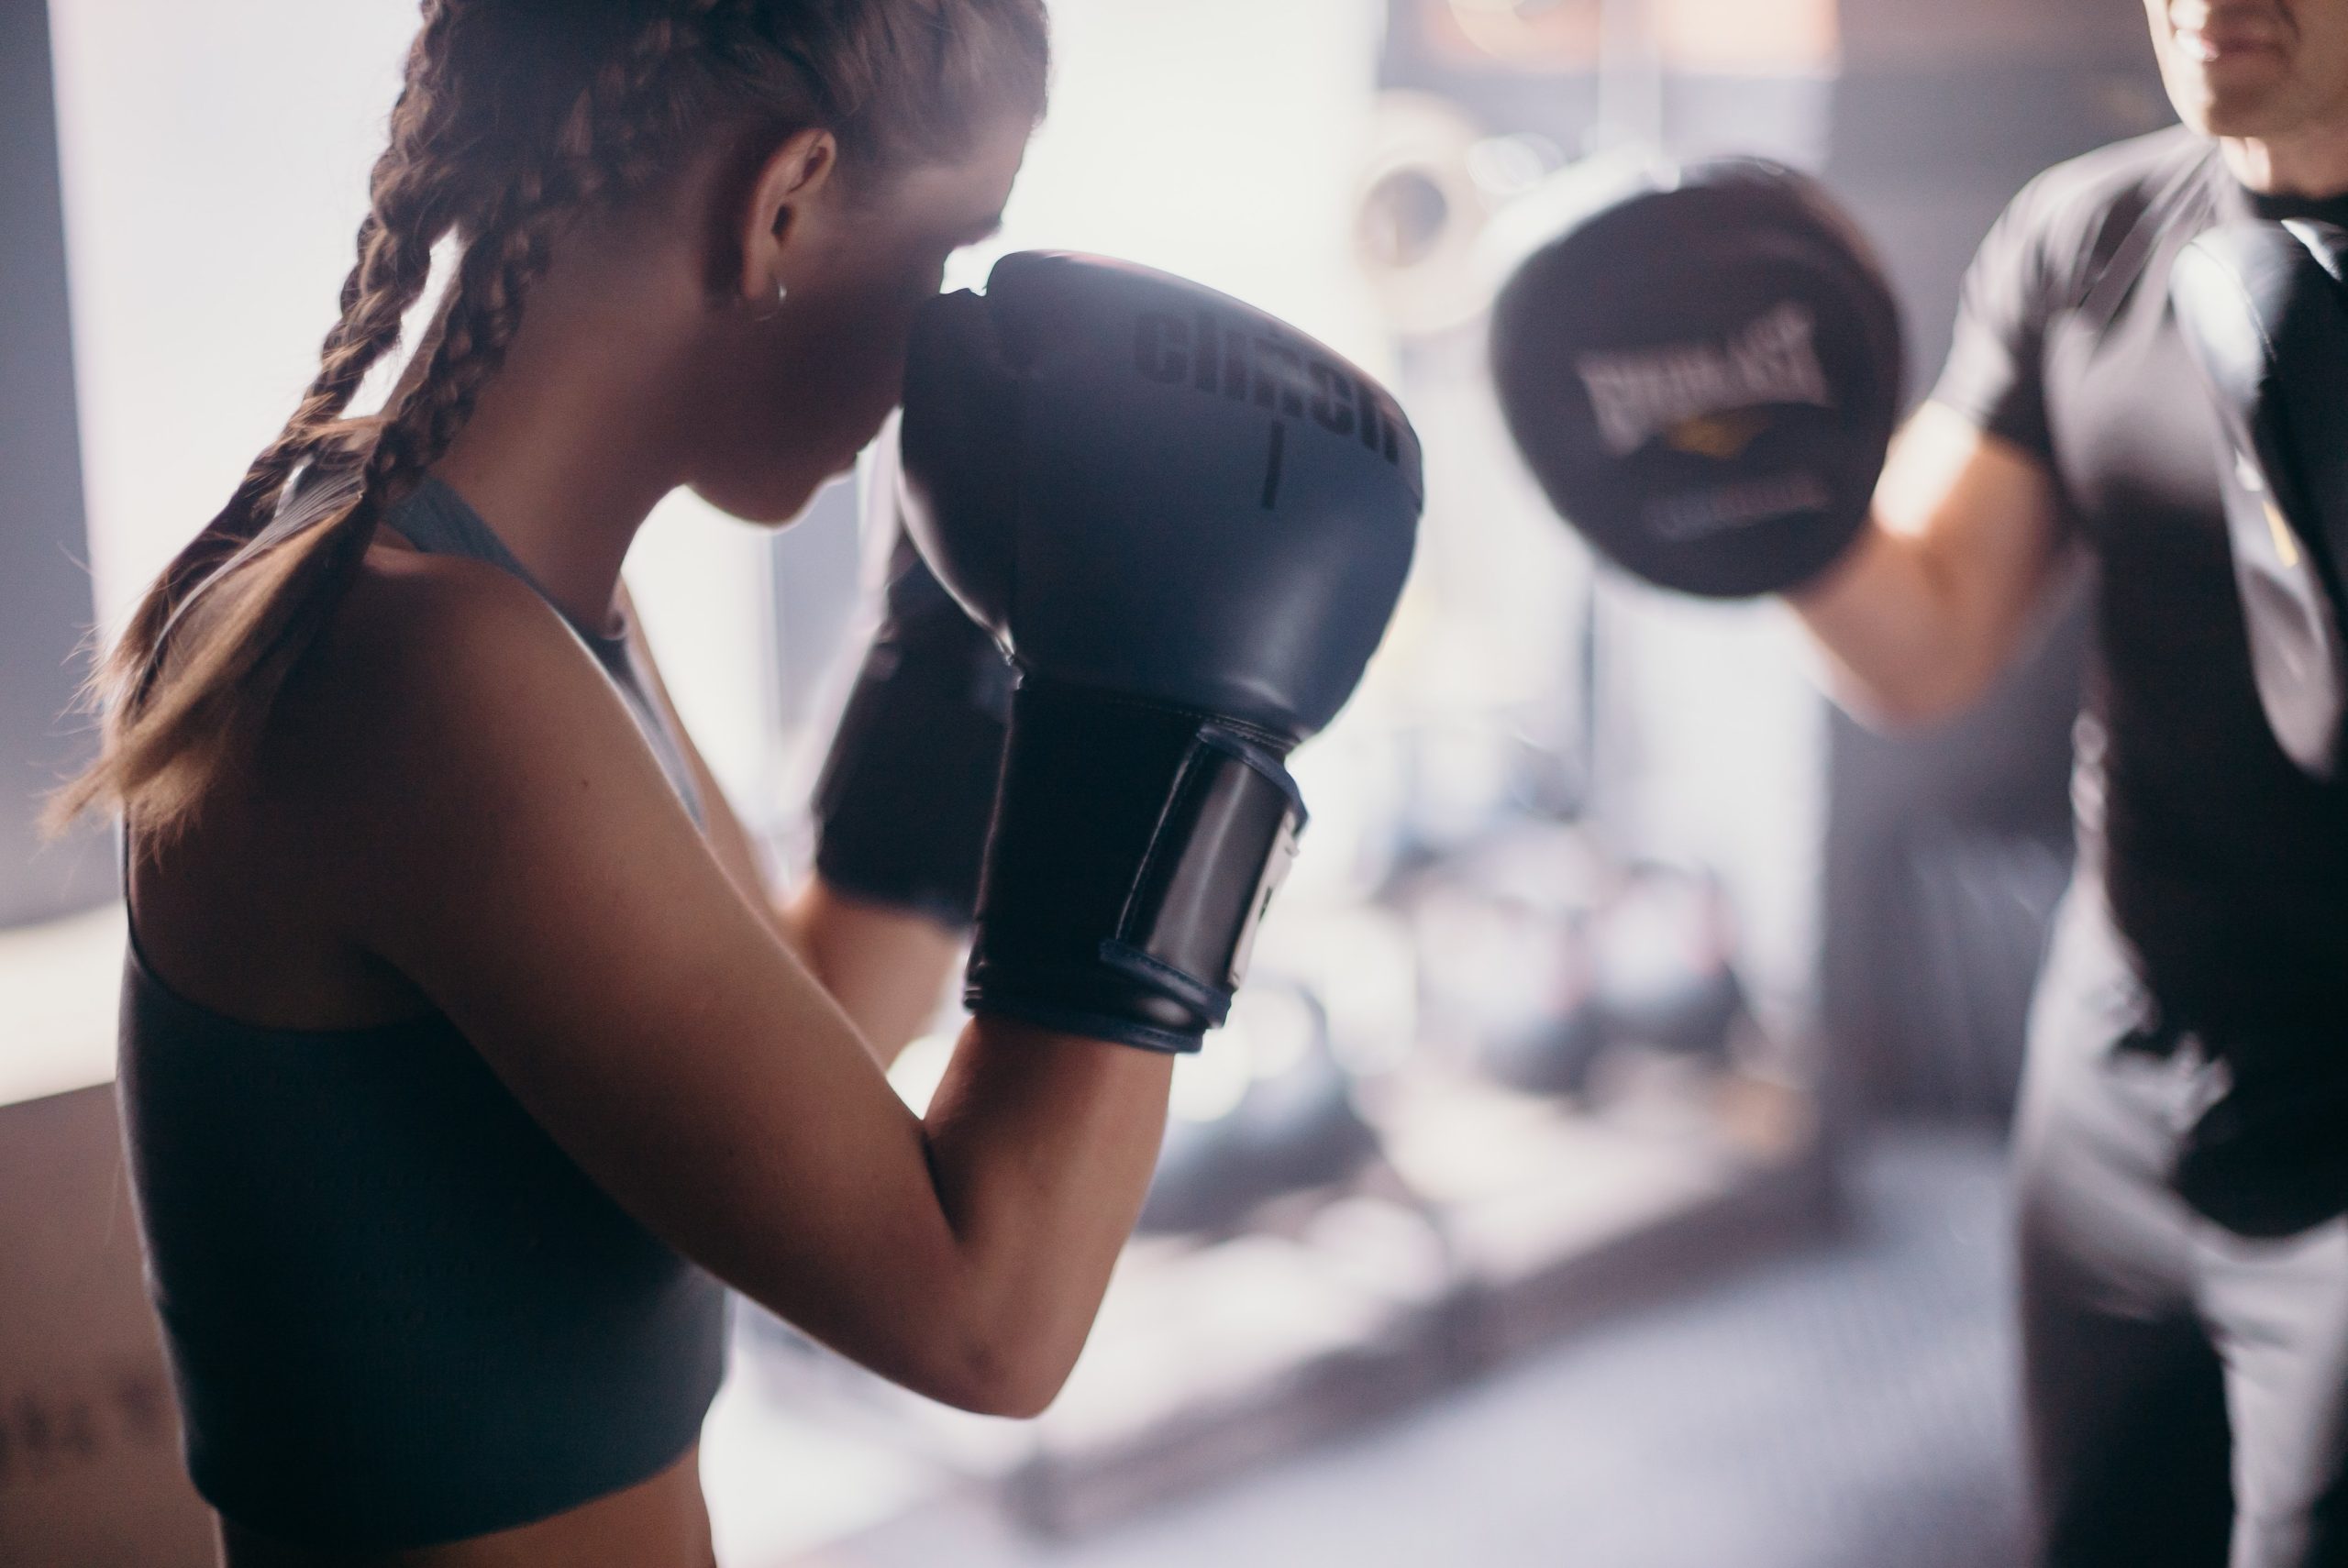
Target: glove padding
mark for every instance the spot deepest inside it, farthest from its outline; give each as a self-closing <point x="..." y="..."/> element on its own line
<point x="2264" y="315"/>
<point x="1702" y="368"/>
<point x="907" y="791"/>
<point x="1189" y="524"/>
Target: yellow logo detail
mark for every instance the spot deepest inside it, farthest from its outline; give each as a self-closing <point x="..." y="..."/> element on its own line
<point x="1723" y="435"/>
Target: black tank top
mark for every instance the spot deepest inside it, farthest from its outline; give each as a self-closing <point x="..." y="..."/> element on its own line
<point x="397" y="1314"/>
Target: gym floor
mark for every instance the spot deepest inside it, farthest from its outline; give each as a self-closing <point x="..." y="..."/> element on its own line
<point x="1848" y="1405"/>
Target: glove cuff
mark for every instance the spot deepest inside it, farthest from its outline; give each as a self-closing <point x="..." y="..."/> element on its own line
<point x="1135" y="848"/>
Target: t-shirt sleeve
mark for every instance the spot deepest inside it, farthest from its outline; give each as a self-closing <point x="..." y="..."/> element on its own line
<point x="1995" y="371"/>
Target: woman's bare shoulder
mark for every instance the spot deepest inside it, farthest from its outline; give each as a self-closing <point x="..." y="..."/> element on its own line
<point x="436" y="670"/>
<point x="411" y="619"/>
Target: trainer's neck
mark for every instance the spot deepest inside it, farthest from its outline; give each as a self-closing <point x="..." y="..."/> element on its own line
<point x="2311" y="163"/>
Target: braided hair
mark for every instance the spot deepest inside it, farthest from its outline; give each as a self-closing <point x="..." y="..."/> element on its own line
<point x="514" y="116"/>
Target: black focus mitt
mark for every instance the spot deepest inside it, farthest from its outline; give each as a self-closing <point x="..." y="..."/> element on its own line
<point x="1703" y="367"/>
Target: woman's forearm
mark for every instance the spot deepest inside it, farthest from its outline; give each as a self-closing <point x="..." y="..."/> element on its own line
<point x="1042" y="1147"/>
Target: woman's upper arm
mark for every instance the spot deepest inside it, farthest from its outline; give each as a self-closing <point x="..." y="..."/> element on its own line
<point x="886" y="968"/>
<point x="728" y="839"/>
<point x="518" y="855"/>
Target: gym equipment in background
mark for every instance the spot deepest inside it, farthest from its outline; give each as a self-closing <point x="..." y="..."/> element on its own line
<point x="1541" y="955"/>
<point x="1288" y="1122"/>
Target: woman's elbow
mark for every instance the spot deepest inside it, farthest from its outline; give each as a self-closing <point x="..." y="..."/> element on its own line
<point x="997" y="1375"/>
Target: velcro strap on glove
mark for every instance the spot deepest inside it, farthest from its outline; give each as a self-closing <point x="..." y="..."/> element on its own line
<point x="1137" y="847"/>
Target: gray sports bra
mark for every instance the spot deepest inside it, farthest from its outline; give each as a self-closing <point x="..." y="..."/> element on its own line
<point x="437" y="521"/>
<point x="396" y="1312"/>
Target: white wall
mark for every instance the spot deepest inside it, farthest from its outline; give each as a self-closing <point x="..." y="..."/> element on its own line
<point x="1216" y="138"/>
<point x="215" y="160"/>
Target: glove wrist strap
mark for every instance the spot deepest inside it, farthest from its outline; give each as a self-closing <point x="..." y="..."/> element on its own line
<point x="1137" y="847"/>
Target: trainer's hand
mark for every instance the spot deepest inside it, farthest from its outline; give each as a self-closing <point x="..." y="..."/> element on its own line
<point x="2263" y="310"/>
<point x="1703" y="369"/>
<point x="1189" y="524"/>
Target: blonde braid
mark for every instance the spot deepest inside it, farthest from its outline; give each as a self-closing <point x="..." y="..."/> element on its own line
<point x="599" y="150"/>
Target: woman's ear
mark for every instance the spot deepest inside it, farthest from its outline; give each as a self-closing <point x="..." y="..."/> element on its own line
<point x="790" y="179"/>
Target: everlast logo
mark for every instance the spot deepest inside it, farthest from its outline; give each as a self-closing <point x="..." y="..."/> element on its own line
<point x="1227" y="360"/>
<point x="1638" y="394"/>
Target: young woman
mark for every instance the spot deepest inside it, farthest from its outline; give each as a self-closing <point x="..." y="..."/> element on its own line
<point x="458" y="1017"/>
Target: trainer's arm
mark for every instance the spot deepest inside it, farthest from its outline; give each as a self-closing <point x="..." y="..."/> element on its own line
<point x="1938" y="593"/>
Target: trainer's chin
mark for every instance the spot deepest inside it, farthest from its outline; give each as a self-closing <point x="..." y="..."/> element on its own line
<point x="2238" y="94"/>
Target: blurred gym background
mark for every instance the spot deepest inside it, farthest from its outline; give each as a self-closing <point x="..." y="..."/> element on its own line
<point x="1604" y="1165"/>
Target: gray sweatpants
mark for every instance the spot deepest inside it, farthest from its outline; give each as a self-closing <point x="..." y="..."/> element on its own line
<point x="2186" y="1385"/>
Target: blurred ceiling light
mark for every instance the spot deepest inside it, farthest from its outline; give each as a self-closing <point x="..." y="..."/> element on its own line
<point x="1732" y="37"/>
<point x="1543" y="34"/>
<point x="1748" y="37"/>
<point x="1430" y="186"/>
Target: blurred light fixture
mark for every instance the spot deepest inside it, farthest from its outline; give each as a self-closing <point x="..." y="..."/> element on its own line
<point x="1431" y="184"/>
<point x="1548" y="35"/>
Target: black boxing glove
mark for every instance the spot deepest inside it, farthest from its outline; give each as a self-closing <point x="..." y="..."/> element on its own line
<point x="2263" y="313"/>
<point x="1702" y="366"/>
<point x="1189" y="524"/>
<point x="907" y="789"/>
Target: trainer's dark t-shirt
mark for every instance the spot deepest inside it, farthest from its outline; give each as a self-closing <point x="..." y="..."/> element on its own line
<point x="2226" y="867"/>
